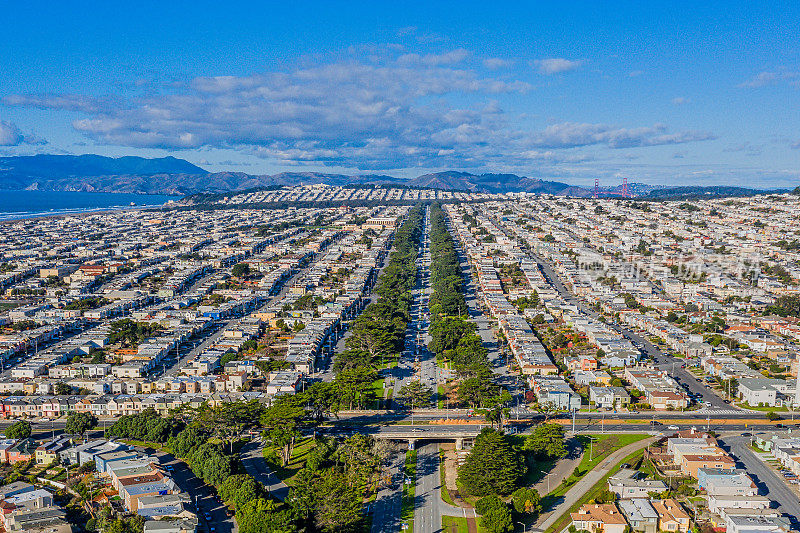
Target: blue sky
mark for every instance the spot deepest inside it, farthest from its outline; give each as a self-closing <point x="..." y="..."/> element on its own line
<point x="671" y="93"/>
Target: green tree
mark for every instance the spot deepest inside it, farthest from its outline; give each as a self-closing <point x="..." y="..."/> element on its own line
<point x="339" y="502"/>
<point x="498" y="520"/>
<point x="492" y="467"/>
<point x="487" y="503"/>
<point x="241" y="270"/>
<point x="229" y="420"/>
<point x="355" y="387"/>
<point x="62" y="389"/>
<point x="130" y="333"/>
<point x="211" y="464"/>
<point x="526" y="500"/>
<point x="448" y="331"/>
<point x="546" y="442"/>
<point x="240" y="490"/>
<point x="147" y="426"/>
<point x="415" y="395"/>
<point x="605" y="496"/>
<point x="350" y="359"/>
<point x="187" y="440"/>
<point x="79" y="423"/>
<point x="19" y="430"/>
<point x="261" y="516"/>
<point x="282" y="438"/>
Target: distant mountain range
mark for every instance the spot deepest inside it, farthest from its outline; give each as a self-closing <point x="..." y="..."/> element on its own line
<point x="170" y="175"/>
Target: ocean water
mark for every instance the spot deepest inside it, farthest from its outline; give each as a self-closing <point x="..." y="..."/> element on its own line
<point x="27" y="204"/>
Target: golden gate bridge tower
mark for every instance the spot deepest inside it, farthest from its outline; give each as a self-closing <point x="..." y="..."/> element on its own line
<point x="624" y="193"/>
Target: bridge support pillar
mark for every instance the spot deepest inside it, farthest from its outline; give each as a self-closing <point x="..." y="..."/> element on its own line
<point x="411" y="443"/>
<point x="459" y="444"/>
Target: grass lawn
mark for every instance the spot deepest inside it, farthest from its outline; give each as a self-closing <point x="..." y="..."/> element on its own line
<point x="565" y="519"/>
<point x="147" y="444"/>
<point x="300" y="452"/>
<point x="763" y="409"/>
<point x="602" y="447"/>
<point x="409" y="491"/>
<point x="380" y="391"/>
<point x="440" y="397"/>
<point x="454" y="524"/>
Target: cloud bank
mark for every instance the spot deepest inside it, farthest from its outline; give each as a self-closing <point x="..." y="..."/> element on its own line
<point x="386" y="111"/>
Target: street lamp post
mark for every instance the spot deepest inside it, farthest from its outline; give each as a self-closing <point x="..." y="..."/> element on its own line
<point x="524" y="528"/>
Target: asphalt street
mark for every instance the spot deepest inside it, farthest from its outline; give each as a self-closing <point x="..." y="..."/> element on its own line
<point x="252" y="456"/>
<point x="211" y="512"/>
<point x="415" y="351"/>
<point x="427" y="513"/>
<point x="504" y="375"/>
<point x="387" y="507"/>
<point x="674" y="366"/>
<point x="768" y="481"/>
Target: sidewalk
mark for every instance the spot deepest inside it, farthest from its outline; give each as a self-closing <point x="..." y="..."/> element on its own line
<point x="580" y="488"/>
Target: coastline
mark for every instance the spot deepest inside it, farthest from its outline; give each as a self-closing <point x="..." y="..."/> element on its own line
<point x="20" y="205"/>
<point x="7" y="216"/>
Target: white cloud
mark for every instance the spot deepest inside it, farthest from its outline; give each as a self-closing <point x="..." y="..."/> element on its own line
<point x="381" y="112"/>
<point x="435" y="60"/>
<point x="556" y="65"/>
<point x="68" y="102"/>
<point x="767" y="77"/>
<point x="746" y="148"/>
<point x="572" y="135"/>
<point x="9" y="134"/>
<point x="495" y="63"/>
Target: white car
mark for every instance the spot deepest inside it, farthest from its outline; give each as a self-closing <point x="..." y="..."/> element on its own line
<point x="673" y="428"/>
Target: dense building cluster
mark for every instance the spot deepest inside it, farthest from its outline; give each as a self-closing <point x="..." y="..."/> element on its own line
<point x="351" y="195"/>
<point x="115" y="313"/>
<point x="348" y="299"/>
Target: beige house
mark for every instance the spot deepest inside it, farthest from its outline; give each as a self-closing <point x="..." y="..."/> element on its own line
<point x="671" y="516"/>
<point x="599" y="518"/>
